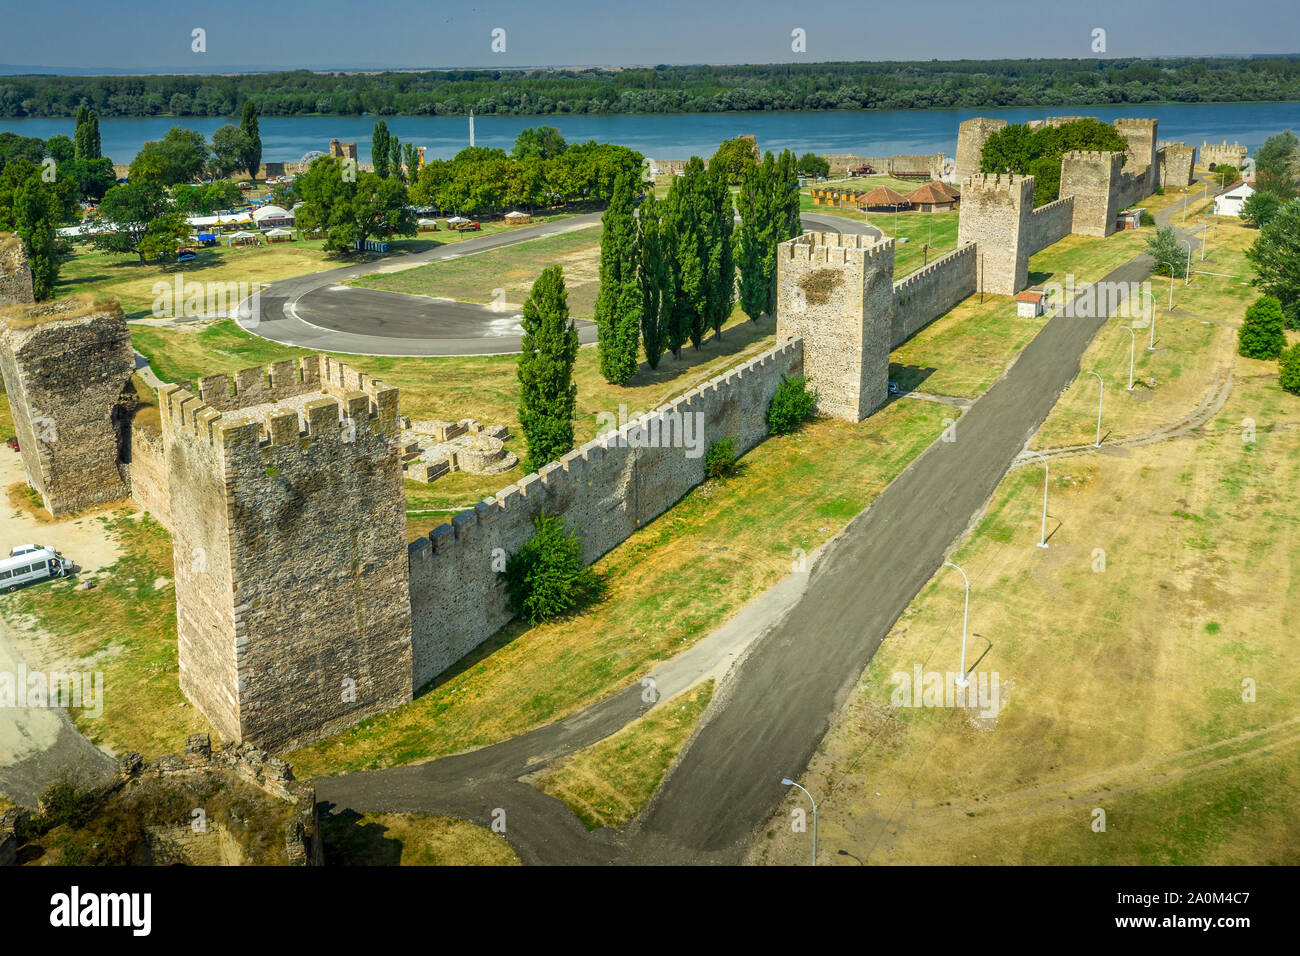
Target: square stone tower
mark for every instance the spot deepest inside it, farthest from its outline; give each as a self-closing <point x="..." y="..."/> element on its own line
<point x="1177" y="164"/>
<point x="995" y="214"/>
<point x="836" y="292"/>
<point x="289" y="537"/>
<point x="1143" y="141"/>
<point x="1092" y="178"/>
<point x="67" y="370"/>
<point x="971" y="137"/>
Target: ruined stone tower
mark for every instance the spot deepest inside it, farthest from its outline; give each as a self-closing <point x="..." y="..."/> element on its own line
<point x="289" y="537"/>
<point x="835" y="292"/>
<point x="995" y="214"/>
<point x="1093" y="179"/>
<point x="67" y="370"/>
<point x="971" y="137"/>
<point x="1177" y="164"/>
<point x="15" y="273"/>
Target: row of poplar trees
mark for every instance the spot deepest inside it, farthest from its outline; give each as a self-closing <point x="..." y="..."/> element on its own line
<point x="668" y="271"/>
<point x="667" y="276"/>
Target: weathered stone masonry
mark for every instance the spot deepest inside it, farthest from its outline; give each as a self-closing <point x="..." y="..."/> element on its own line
<point x="605" y="490"/>
<point x="67" y="369"/>
<point x="288" y="529"/>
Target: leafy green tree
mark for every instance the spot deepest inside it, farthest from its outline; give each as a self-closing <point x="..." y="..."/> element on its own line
<point x="547" y="392"/>
<point x="251" y="157"/>
<point x="734" y="159"/>
<point x="14" y="148"/>
<point x="1167" y="254"/>
<point x="1288" y="369"/>
<point x="760" y="204"/>
<point x="1016" y="148"/>
<point x="86" y="142"/>
<point x="36" y="214"/>
<point x="546" y="578"/>
<point x="138" y="218"/>
<point x="176" y="158"/>
<point x="229" y="147"/>
<point x="1277" y="166"/>
<point x="544" y="142"/>
<point x="350" y="211"/>
<point x="1226" y="174"/>
<point x="60" y="149"/>
<point x="395" y="158"/>
<point x="654" y="275"/>
<point x="379" y="149"/>
<point x="1260" y="206"/>
<point x="93" y="177"/>
<point x="618" y="301"/>
<point x="1262" y="335"/>
<point x="810" y="164"/>
<point x="1275" y="255"/>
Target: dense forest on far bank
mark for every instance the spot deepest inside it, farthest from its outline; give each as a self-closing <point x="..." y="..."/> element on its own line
<point x="976" y="84"/>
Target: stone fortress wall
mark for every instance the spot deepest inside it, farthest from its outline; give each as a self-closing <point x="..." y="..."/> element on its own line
<point x="1212" y="154"/>
<point x="1177" y="164"/>
<point x="605" y="490"/>
<point x="930" y="292"/>
<point x="15" y="276"/>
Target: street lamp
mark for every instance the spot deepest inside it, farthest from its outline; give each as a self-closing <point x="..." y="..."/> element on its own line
<point x="1042" y="535"/>
<point x="790" y="783"/>
<point x="1152" y="346"/>
<point x="1101" y="397"/>
<point x="1131" y="348"/>
<point x="1187" y="272"/>
<point x="962" y="680"/>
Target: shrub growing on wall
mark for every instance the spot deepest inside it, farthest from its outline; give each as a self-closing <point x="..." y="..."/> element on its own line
<point x="546" y="578"/>
<point x="792" y="404"/>
<point x="720" y="459"/>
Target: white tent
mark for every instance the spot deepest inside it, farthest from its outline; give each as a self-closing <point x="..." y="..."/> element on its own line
<point x="456" y="220"/>
<point x="427" y="222"/>
<point x="271" y="212"/>
<point x="516" y="215"/>
<point x="279" y="232"/>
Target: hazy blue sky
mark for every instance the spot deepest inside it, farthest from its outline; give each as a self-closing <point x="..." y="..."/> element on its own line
<point x="151" y="35"/>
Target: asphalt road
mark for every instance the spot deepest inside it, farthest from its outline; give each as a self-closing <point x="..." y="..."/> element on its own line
<point x="320" y="312"/>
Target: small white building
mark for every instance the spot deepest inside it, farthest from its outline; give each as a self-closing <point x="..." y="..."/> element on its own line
<point x="1230" y="201"/>
<point x="1031" y="303"/>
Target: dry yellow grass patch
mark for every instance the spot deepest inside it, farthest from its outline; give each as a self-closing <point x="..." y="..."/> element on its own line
<point x="411" y="839"/>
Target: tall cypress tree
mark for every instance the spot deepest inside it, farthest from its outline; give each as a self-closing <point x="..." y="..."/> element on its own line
<point x="720" y="252"/>
<point x="379" y="149"/>
<point x="618" y="302"/>
<point x="673" y="230"/>
<point x="689" y="220"/>
<point x="757" y="241"/>
<point x="395" y="157"/>
<point x="85" y="140"/>
<point x="786" y="191"/>
<point x="251" y="156"/>
<point x="656" y="290"/>
<point x="547" y="392"/>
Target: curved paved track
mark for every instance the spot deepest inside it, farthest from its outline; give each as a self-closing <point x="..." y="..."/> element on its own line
<point x="320" y="312"/>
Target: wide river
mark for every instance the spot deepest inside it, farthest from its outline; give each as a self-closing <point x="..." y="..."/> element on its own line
<point x="679" y="136"/>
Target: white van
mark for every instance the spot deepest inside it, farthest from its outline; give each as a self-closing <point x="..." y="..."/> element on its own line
<point x="34" y="565"/>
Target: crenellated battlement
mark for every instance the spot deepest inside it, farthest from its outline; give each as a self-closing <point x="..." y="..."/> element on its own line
<point x="1010" y="183"/>
<point x="925" y="275"/>
<point x="834" y="248"/>
<point x="299" y="400"/>
<point x="1134" y="123"/>
<point x="1093" y="156"/>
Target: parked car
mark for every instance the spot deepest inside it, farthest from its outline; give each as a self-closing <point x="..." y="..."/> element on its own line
<point x="893" y="388"/>
<point x="186" y="255"/>
<point x="32" y="565"/>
